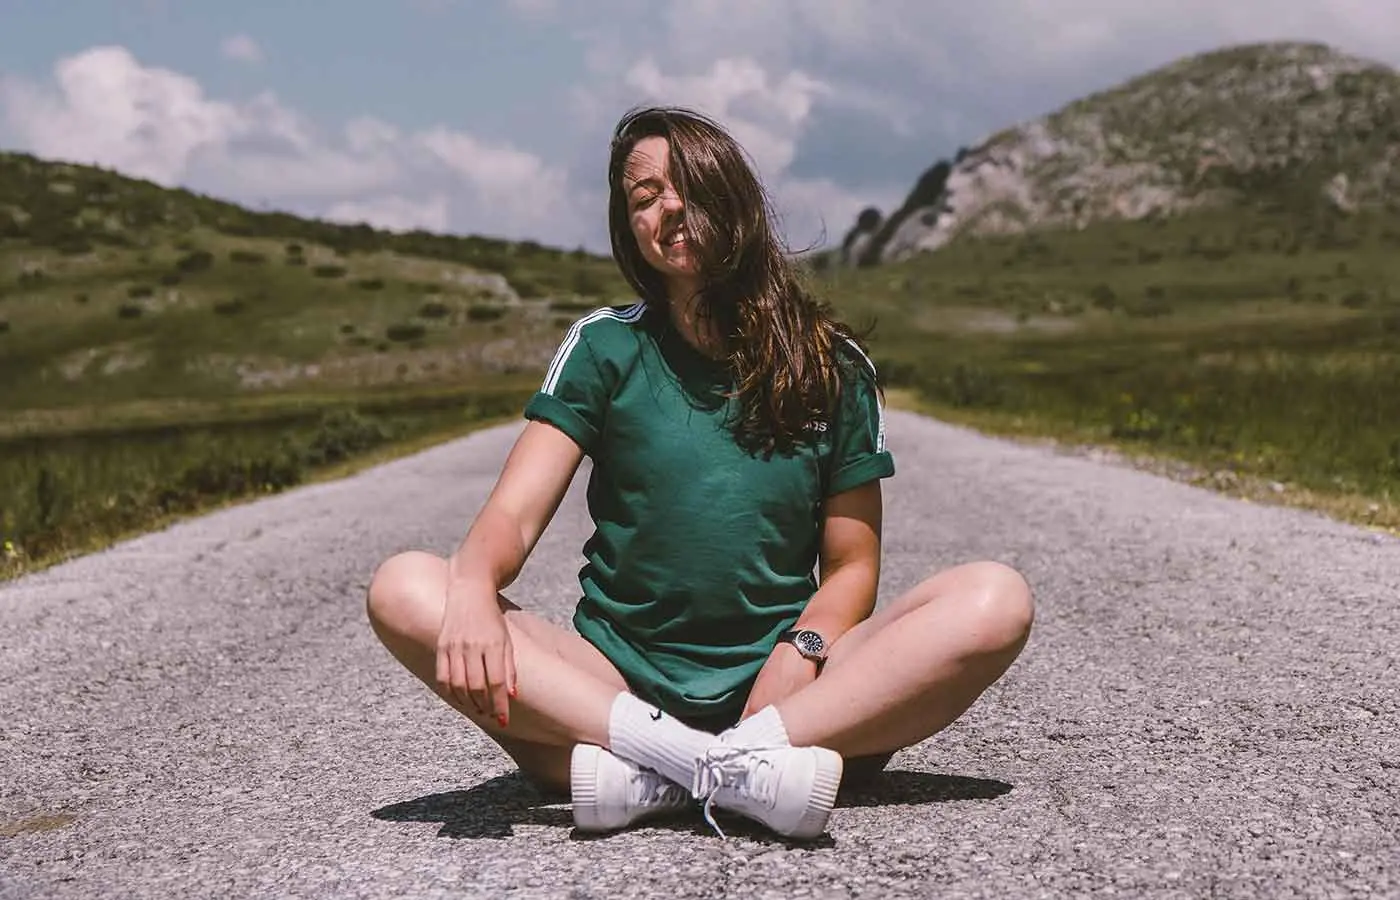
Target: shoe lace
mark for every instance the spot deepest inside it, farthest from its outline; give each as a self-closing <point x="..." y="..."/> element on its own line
<point x="739" y="769"/>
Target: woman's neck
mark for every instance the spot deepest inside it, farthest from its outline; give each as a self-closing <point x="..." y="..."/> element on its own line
<point x="698" y="329"/>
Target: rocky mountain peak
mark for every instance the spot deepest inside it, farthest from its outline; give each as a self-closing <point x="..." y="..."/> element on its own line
<point x="1277" y="122"/>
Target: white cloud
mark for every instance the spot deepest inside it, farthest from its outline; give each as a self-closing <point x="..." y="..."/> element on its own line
<point x="104" y="107"/>
<point x="764" y="114"/>
<point x="394" y="213"/>
<point x="487" y="166"/>
<point x="241" y="48"/>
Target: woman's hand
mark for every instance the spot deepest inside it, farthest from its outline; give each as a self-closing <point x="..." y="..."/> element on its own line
<point x="785" y="673"/>
<point x="475" y="659"/>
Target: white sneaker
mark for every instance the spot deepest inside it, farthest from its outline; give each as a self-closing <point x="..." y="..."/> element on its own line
<point x="789" y="789"/>
<point x="611" y="793"/>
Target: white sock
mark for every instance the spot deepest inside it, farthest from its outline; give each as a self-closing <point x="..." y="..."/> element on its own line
<point x="762" y="729"/>
<point x="641" y="733"/>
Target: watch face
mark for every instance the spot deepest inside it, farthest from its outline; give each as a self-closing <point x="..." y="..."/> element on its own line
<point x="809" y="642"/>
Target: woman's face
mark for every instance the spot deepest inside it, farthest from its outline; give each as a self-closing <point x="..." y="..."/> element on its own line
<point x="656" y="215"/>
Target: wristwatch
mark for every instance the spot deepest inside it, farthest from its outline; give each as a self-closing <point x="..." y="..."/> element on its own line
<point x="808" y="643"/>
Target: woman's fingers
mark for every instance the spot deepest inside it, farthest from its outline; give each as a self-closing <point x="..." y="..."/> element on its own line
<point x="512" y="689"/>
<point x="497" y="675"/>
<point x="458" y="678"/>
<point x="476" y="669"/>
<point x="476" y="682"/>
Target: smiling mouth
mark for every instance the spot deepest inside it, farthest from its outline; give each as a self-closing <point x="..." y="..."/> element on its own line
<point x="677" y="235"/>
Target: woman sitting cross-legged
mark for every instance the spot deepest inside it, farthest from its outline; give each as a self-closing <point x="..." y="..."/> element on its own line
<point x="726" y="647"/>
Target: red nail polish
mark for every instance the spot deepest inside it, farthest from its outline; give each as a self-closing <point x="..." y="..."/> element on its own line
<point x="514" y="690"/>
<point x="502" y="720"/>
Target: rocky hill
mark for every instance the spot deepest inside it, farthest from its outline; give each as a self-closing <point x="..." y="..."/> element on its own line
<point x="1282" y="124"/>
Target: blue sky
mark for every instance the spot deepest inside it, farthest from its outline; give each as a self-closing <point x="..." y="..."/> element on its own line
<point x="492" y="116"/>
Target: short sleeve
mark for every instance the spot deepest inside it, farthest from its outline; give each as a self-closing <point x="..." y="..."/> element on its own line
<point x="573" y="396"/>
<point x="858" y="452"/>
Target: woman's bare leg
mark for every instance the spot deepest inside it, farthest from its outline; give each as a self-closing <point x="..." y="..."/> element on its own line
<point x="912" y="668"/>
<point x="566" y="687"/>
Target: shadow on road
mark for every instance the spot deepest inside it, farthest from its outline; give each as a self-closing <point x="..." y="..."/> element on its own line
<point x="902" y="787"/>
<point x="487" y="810"/>
<point x="493" y="808"/>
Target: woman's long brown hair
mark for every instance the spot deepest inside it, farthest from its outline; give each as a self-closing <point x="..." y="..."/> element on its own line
<point x="781" y="341"/>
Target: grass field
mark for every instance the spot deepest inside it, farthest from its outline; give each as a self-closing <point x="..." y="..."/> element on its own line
<point x="1253" y="345"/>
<point x="163" y="353"/>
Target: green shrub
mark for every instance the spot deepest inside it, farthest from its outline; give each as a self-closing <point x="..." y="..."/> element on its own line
<point x="347" y="328"/>
<point x="130" y="311"/>
<point x="344" y="433"/>
<point x="170" y="279"/>
<point x="72" y="244"/>
<point x="247" y="257"/>
<point x="230" y="307"/>
<point x="529" y="286"/>
<point x="405" y="332"/>
<point x="328" y="271"/>
<point x="296" y="260"/>
<point x="1104" y="297"/>
<point x="195" y="261"/>
<point x="370" y="284"/>
<point x="270" y="469"/>
<point x="485" y="312"/>
<point x="590" y="282"/>
<point x="968" y="386"/>
<point x="4" y="326"/>
<point x="895" y="372"/>
<point x="1151" y="306"/>
<point x="51" y="498"/>
<point x="81" y="298"/>
<point x="137" y="291"/>
<point x="573" y="305"/>
<point x="434" y="309"/>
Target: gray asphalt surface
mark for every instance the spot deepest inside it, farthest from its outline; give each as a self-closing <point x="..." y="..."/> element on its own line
<point x="1208" y="707"/>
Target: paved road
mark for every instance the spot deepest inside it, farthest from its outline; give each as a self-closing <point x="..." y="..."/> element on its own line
<point x="1208" y="707"/>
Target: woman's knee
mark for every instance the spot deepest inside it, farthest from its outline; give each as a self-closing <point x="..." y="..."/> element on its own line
<point x="399" y="585"/>
<point x="1002" y="600"/>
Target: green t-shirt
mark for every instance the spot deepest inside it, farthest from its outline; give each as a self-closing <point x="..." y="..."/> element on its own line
<point x="702" y="553"/>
